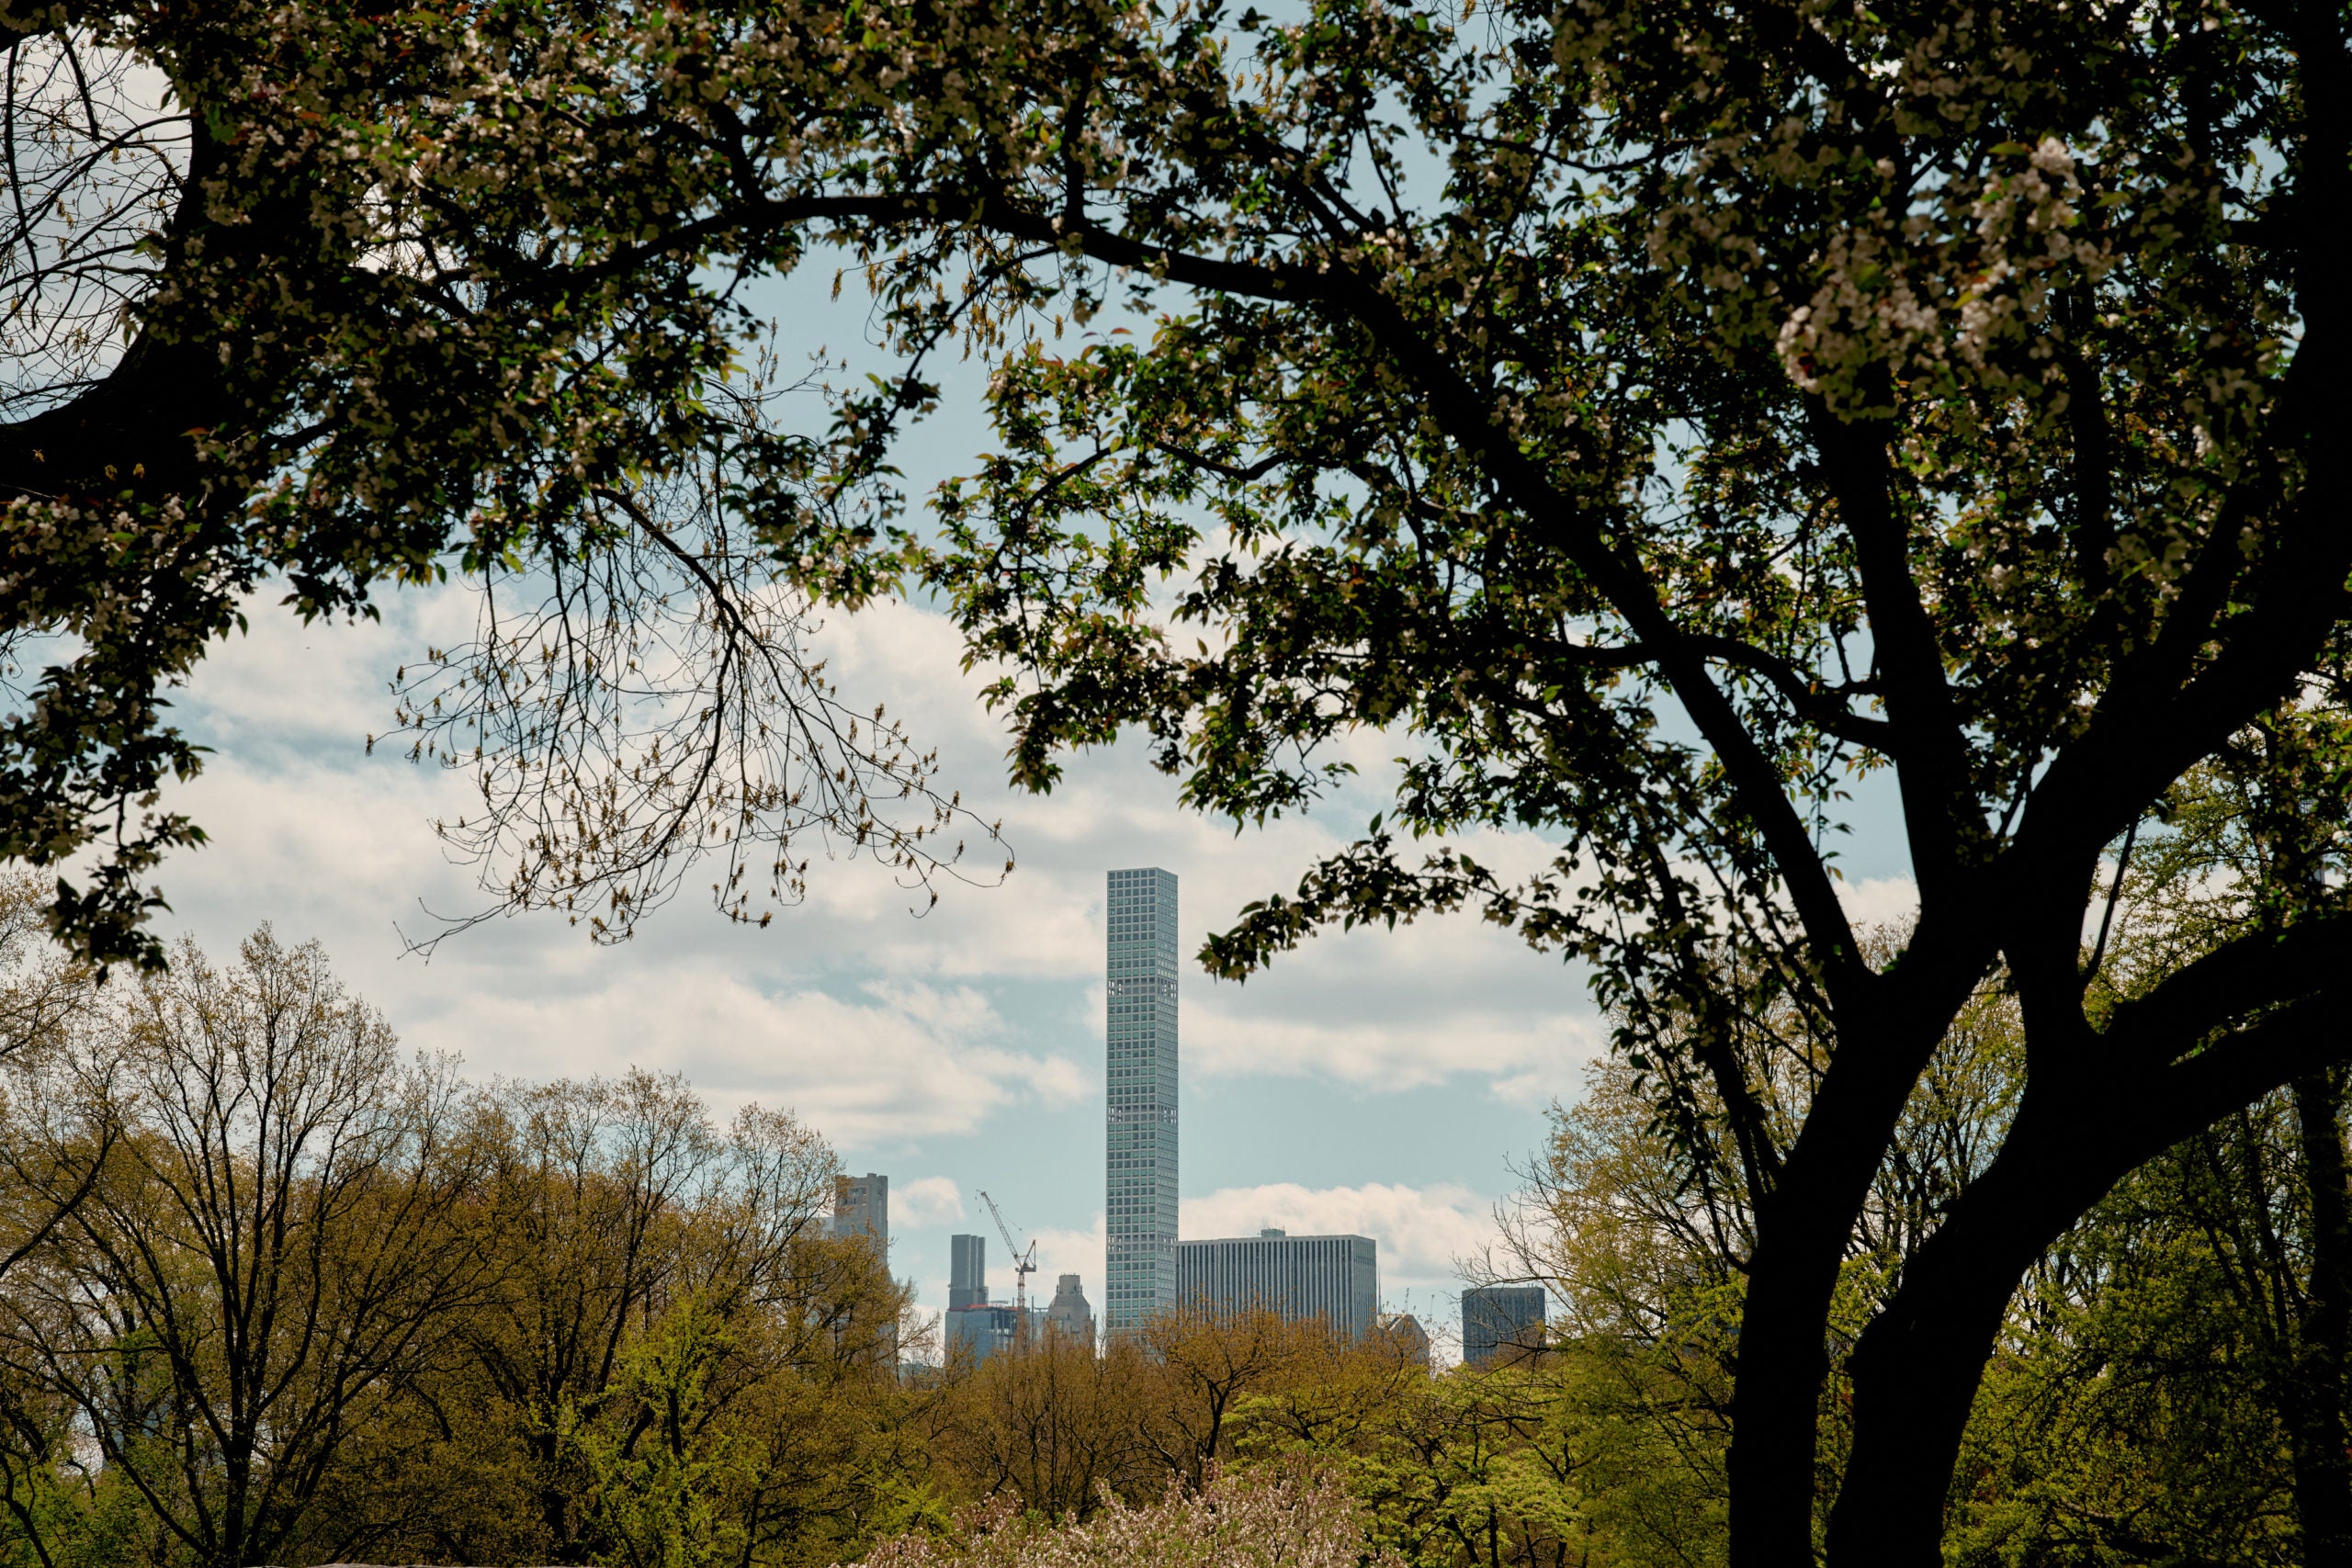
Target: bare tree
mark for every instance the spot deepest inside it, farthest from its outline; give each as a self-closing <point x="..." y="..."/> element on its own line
<point x="641" y="700"/>
<point x="264" y="1250"/>
<point x="42" y="991"/>
<point x="96" y="162"/>
<point x="40" y="988"/>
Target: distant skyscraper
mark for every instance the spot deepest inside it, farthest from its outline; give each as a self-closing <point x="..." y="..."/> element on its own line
<point x="1336" y="1278"/>
<point x="968" y="1271"/>
<point x="1402" y="1333"/>
<point x="862" y="1207"/>
<point x="1140" y="1136"/>
<point x="1069" y="1315"/>
<point x="1500" y="1318"/>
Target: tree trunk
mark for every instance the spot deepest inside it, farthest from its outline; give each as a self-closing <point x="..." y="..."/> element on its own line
<point x="1802" y="1229"/>
<point x="1776" y="1399"/>
<point x="1916" y="1367"/>
<point x="2323" y="1469"/>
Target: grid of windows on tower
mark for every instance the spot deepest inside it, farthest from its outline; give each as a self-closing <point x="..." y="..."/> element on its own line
<point x="1140" y="1040"/>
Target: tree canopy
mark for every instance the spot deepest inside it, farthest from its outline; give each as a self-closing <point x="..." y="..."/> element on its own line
<point x="1657" y="417"/>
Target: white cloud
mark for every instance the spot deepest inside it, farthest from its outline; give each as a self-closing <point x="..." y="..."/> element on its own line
<point x="907" y="1062"/>
<point x="1422" y="1231"/>
<point x="1394" y="1010"/>
<point x="1879" y="901"/>
<point x="926" y="1201"/>
<point x="875" y="1025"/>
<point x="1070" y="1251"/>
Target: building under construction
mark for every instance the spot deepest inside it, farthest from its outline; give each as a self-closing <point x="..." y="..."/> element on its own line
<point x="977" y="1328"/>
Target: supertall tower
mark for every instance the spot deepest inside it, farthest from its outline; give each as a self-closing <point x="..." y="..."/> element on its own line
<point x="1140" y="1137"/>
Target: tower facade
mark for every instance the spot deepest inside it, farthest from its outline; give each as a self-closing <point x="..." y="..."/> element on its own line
<point x="1140" y="1276"/>
<point x="862" y="1207"/>
<point x="1497" y="1320"/>
<point x="968" y="1271"/>
<point x="1069" y="1315"/>
<point x="1302" y="1277"/>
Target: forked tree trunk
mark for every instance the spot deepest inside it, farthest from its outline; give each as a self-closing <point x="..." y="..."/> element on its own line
<point x="1803" y="1231"/>
<point x="1916" y="1368"/>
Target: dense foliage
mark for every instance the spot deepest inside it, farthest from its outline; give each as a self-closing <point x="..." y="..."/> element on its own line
<point x="271" y="1294"/>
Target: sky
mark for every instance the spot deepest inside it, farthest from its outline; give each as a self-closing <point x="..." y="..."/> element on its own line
<point x="1378" y="1082"/>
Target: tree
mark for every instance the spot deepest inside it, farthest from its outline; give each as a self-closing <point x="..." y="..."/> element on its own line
<point x="1660" y="417"/>
<point x="659" y="1282"/>
<point x="1055" y="1424"/>
<point x="1294" y="1517"/>
<point x="2133" y="1410"/>
<point x="266" y="1251"/>
<point x="313" y="1304"/>
<point x="288" y="308"/>
<point x="1657" y="417"/>
<point x="1205" y="1361"/>
<point x="42" y="994"/>
<point x="2230" y="1251"/>
<point x="1467" y="1468"/>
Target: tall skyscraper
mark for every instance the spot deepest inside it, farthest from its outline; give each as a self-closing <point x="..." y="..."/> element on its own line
<point x="968" y="1271"/>
<point x="1141" y="1133"/>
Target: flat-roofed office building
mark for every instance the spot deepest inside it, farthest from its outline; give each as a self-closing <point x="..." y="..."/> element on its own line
<point x="1139" y="1134"/>
<point x="1500" y="1319"/>
<point x="1336" y="1278"/>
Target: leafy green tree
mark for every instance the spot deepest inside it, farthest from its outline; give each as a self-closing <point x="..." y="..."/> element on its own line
<point x="1507" y="1469"/>
<point x="2133" y="1409"/>
<point x="666" y="1310"/>
<point x="1659" y="419"/>
<point x="1056" y="1424"/>
<point x="2175" y="1368"/>
<point x="276" y="1295"/>
<point x="661" y="1476"/>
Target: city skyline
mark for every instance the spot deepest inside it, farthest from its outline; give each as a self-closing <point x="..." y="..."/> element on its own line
<point x="1379" y="1081"/>
<point x="1148" y="1269"/>
<point x="1373" y="1081"/>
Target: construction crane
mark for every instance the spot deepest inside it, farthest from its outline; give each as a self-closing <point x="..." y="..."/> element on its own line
<point x="1023" y="1263"/>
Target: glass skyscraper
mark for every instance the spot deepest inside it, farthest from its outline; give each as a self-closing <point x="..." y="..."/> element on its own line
<point x="1141" y="1133"/>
